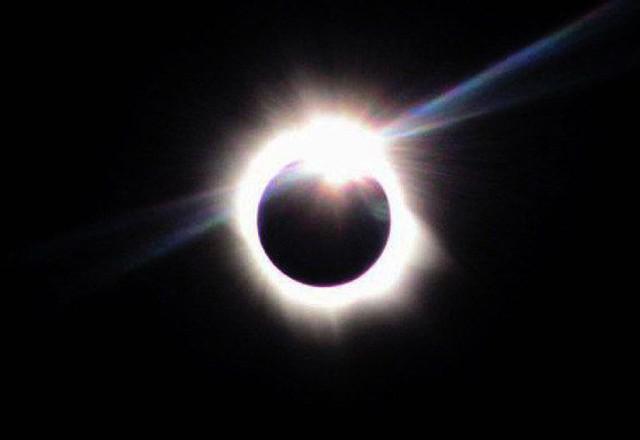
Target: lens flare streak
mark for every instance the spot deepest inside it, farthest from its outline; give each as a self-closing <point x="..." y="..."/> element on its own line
<point x="123" y="244"/>
<point x="470" y="98"/>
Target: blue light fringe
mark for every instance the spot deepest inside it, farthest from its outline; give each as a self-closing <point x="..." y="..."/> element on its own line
<point x="453" y="105"/>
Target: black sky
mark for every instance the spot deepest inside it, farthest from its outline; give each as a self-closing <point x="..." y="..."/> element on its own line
<point x="128" y="108"/>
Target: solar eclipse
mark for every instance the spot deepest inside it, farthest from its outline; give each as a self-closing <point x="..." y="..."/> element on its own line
<point x="342" y="206"/>
<point x="323" y="215"/>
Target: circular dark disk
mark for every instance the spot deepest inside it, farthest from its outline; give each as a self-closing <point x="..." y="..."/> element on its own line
<point x="320" y="233"/>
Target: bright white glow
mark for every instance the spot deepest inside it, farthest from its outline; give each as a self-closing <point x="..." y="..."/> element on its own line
<point x="341" y="150"/>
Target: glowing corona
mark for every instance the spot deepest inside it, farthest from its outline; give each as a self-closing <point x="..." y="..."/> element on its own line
<point x="341" y="150"/>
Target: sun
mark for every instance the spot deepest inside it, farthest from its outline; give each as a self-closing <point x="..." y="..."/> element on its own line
<point x="339" y="149"/>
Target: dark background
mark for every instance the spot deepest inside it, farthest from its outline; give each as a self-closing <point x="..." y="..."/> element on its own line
<point x="129" y="108"/>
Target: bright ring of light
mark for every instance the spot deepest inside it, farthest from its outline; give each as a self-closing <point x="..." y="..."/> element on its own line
<point x="342" y="150"/>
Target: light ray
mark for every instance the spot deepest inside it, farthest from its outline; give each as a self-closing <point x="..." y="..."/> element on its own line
<point x="99" y="254"/>
<point x="110" y="228"/>
<point x="194" y="227"/>
<point x="473" y="97"/>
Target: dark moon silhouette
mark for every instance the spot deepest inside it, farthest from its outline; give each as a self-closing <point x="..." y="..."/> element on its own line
<point x="320" y="233"/>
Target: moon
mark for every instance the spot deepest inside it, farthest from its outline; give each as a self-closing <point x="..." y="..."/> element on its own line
<point x="319" y="231"/>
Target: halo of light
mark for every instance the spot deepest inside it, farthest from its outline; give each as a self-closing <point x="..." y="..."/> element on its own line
<point x="342" y="150"/>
